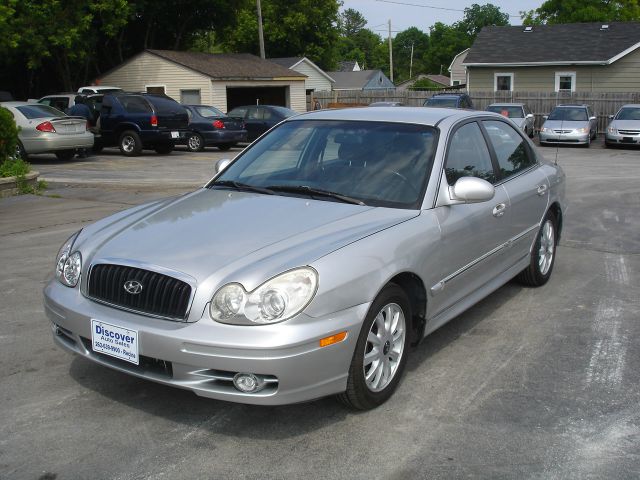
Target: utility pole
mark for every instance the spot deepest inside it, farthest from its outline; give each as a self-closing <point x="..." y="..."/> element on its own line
<point x="260" y="32"/>
<point x="390" y="55"/>
<point x="411" y="63"/>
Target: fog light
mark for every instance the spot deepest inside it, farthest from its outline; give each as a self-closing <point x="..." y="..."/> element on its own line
<point x="247" y="382"/>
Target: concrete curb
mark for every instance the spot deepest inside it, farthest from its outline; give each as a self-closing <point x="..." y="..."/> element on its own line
<point x="113" y="181"/>
<point x="9" y="185"/>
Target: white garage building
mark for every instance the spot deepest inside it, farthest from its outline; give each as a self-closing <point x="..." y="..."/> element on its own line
<point x="222" y="80"/>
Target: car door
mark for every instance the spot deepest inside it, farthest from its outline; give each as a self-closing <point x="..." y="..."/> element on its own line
<point x="254" y="121"/>
<point x="526" y="185"/>
<point x="473" y="235"/>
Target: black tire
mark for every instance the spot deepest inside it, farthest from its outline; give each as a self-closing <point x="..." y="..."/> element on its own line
<point x="195" y="142"/>
<point x="97" y="148"/>
<point x="534" y="275"/>
<point x="225" y="146"/>
<point x="358" y="395"/>
<point x="65" y="155"/>
<point x="531" y="133"/>
<point x="21" y="152"/>
<point x="588" y="144"/>
<point x="165" y="148"/>
<point x="130" y="143"/>
<point x="543" y="144"/>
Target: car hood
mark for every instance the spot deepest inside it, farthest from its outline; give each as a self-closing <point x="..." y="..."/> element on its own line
<point x="565" y="124"/>
<point x="245" y="236"/>
<point x="626" y="124"/>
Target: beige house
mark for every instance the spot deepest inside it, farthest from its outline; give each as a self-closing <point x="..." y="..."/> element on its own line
<point x="578" y="57"/>
<point x="222" y="80"/>
<point x="457" y="71"/>
<point x="317" y="79"/>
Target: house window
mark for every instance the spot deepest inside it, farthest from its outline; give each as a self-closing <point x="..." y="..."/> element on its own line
<point x="190" y="97"/>
<point x="157" y="89"/>
<point x="456" y="82"/>
<point x="503" y="82"/>
<point x="565" y="81"/>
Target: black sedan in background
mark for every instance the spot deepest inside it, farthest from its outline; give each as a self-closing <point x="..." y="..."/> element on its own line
<point x="212" y="128"/>
<point x="260" y="118"/>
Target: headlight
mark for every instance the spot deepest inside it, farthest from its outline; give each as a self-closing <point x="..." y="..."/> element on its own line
<point x="68" y="265"/>
<point x="582" y="130"/>
<point x="612" y="130"/>
<point x="545" y="130"/>
<point x="274" y="301"/>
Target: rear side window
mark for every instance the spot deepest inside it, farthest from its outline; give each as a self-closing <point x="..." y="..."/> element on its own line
<point x="135" y="105"/>
<point x="511" y="150"/>
<point x="165" y="105"/>
<point x="239" y="112"/>
<point x="39" y="111"/>
<point x="468" y="155"/>
<point x="209" y="112"/>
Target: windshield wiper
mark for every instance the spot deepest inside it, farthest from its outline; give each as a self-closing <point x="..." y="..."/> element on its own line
<point x="242" y="186"/>
<point x="306" y="190"/>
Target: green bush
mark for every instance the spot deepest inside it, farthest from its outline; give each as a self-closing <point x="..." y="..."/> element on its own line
<point x="14" y="167"/>
<point x="8" y="135"/>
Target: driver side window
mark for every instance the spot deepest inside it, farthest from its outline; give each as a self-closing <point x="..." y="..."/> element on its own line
<point x="468" y="155"/>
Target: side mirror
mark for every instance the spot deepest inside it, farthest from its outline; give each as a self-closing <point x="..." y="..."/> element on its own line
<point x="530" y="115"/>
<point x="471" y="190"/>
<point x="222" y="164"/>
<point x="544" y="117"/>
<point x="610" y="117"/>
<point x="592" y="118"/>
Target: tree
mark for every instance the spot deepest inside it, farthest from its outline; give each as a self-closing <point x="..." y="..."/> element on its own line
<point x="446" y="41"/>
<point x="351" y="22"/>
<point x="291" y="28"/>
<point x="478" y="16"/>
<point x="402" y="45"/>
<point x="575" y="11"/>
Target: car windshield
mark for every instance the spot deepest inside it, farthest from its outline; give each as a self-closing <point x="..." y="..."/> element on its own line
<point x="209" y="112"/>
<point x="507" y="110"/>
<point x="375" y="163"/>
<point x="442" y="102"/>
<point x="628" y="113"/>
<point x="572" y="114"/>
<point x="39" y="111"/>
<point x="285" y="112"/>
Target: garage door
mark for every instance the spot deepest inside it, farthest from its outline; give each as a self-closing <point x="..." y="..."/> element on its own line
<point x="238" y="96"/>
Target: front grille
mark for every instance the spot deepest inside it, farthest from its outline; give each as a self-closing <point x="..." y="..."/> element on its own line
<point x="563" y="131"/>
<point x="629" y="132"/>
<point x="161" y="295"/>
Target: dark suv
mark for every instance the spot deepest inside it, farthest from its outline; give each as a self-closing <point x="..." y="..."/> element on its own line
<point x="449" y="100"/>
<point x="140" y="121"/>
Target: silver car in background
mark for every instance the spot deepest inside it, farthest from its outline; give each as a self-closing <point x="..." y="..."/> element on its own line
<point x="311" y="263"/>
<point x="519" y="113"/>
<point x="44" y="129"/>
<point x="575" y="124"/>
<point x="624" y="128"/>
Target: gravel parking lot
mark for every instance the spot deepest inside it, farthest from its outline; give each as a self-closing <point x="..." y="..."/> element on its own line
<point x="530" y="383"/>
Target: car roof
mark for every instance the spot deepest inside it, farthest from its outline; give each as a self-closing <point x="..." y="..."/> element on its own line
<point x="572" y="105"/>
<point x="448" y="94"/>
<point x="507" y="105"/>
<point x="417" y="115"/>
<point x="631" y="105"/>
<point x="16" y="103"/>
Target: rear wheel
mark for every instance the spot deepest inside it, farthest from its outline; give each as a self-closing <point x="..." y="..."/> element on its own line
<point x="381" y="351"/>
<point x="165" y="148"/>
<point x="130" y="143"/>
<point x="225" y="146"/>
<point x="543" y="254"/>
<point x="65" y="155"/>
<point x="97" y="148"/>
<point x="21" y="152"/>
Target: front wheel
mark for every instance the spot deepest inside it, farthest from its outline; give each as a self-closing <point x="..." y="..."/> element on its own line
<point x="543" y="254"/>
<point x="130" y="143"/>
<point x="225" y="146"/>
<point x="381" y="351"/>
<point x="195" y="142"/>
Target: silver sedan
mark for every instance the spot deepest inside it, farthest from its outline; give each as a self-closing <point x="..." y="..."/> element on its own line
<point x="44" y="129"/>
<point x="311" y="263"/>
<point x="571" y="124"/>
<point x="624" y="128"/>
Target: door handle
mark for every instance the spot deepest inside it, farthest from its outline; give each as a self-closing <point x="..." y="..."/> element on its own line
<point x="499" y="209"/>
<point x="541" y="189"/>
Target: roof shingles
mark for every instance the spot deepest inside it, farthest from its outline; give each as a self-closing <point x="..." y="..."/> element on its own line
<point x="567" y="43"/>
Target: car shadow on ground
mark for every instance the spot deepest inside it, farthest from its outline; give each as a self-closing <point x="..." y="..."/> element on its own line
<point x="263" y="422"/>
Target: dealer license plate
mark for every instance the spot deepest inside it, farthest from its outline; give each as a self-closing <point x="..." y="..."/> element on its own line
<point x="175" y="135"/>
<point x="114" y="341"/>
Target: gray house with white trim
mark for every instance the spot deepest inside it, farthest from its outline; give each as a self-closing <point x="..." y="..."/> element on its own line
<point x="576" y="57"/>
<point x="361" y="80"/>
<point x="317" y="79"/>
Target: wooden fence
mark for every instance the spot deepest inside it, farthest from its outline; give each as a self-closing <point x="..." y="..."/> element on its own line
<point x="541" y="103"/>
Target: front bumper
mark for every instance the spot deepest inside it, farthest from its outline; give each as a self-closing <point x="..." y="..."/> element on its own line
<point x="617" y="138"/>
<point x="572" y="137"/>
<point x="204" y="356"/>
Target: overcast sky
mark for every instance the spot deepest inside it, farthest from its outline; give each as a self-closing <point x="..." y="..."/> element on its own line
<point x="378" y="12"/>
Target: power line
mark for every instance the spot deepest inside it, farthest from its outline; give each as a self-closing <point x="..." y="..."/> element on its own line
<point x="430" y="6"/>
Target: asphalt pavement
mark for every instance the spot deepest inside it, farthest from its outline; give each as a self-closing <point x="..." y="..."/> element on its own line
<point x="528" y="384"/>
